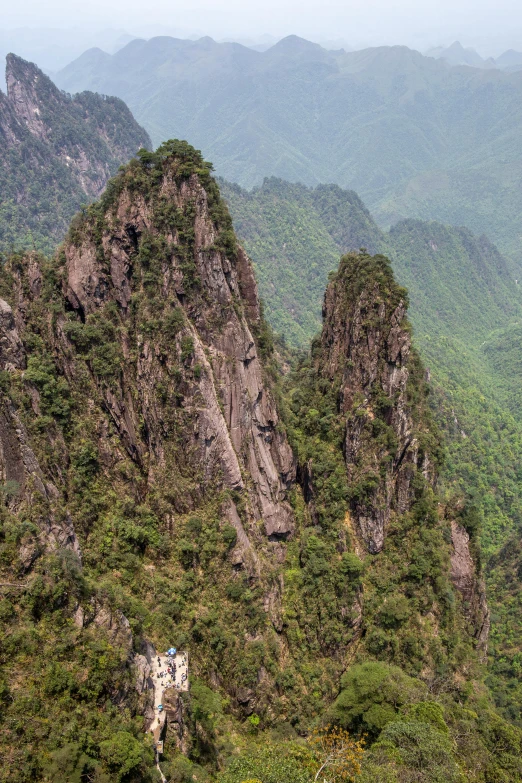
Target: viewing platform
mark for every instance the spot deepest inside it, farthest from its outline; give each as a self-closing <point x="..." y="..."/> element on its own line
<point x="169" y="674"/>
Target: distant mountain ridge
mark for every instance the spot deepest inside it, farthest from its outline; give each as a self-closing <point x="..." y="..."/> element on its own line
<point x="58" y="153"/>
<point x="53" y="48"/>
<point x="510" y="60"/>
<point x="456" y="54"/>
<point x="414" y="136"/>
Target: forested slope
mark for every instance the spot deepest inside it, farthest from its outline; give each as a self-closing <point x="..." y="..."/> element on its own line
<point x="465" y="309"/>
<point x="163" y="484"/>
<point x="57" y="153"/>
<point x="294" y="234"/>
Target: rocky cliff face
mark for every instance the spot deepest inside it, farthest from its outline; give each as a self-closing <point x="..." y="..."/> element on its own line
<point x="390" y="444"/>
<point x="27" y="89"/>
<point x="471" y="587"/>
<point x="366" y="352"/>
<point x="368" y="452"/>
<point x="59" y="152"/>
<point x="231" y="433"/>
<point x="28" y="490"/>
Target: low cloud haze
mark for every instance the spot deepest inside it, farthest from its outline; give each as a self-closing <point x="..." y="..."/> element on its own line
<point x="491" y="27"/>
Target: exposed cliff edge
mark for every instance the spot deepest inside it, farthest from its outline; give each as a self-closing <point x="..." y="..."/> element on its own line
<point x="471" y="586"/>
<point x="58" y="152"/>
<point x="140" y="346"/>
<point x="391" y="447"/>
<point x="27" y="489"/>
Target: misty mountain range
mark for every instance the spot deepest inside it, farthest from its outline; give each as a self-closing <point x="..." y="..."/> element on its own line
<point x="456" y="54"/>
<point x="413" y="135"/>
<point x="54" y="48"/>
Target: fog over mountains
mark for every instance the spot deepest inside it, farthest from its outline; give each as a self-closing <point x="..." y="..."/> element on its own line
<point x="53" y="48"/>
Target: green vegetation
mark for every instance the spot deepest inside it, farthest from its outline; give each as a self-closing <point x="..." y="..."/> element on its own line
<point x="371" y="695"/>
<point x="315" y="632"/>
<point x="461" y="291"/>
<point x="43" y="174"/>
<point x="294" y="235"/>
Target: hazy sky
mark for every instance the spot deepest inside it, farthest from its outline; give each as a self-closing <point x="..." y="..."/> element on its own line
<point x="490" y="25"/>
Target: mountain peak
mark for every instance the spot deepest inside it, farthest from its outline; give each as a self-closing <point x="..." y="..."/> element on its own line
<point x="28" y="88"/>
<point x="19" y="70"/>
<point x="205" y="279"/>
<point x="55" y="142"/>
<point x="509" y="58"/>
<point x="456" y="54"/>
<point x="206" y="40"/>
<point x="293" y="43"/>
<point x="16" y="65"/>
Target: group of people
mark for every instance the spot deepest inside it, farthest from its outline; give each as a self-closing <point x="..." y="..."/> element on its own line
<point x="170" y="672"/>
